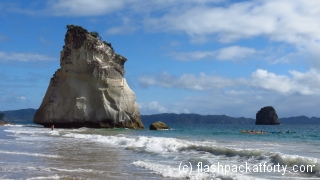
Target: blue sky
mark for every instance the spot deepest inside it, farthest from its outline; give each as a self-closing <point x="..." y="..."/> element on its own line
<point x="196" y="56"/>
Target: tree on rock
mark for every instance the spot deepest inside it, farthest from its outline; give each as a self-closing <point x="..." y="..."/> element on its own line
<point x="95" y="34"/>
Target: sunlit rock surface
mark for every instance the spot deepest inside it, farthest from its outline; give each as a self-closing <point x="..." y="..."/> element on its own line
<point x="89" y="89"/>
<point x="159" y="126"/>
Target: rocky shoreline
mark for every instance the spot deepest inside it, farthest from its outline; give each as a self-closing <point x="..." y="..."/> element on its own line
<point x="2" y="123"/>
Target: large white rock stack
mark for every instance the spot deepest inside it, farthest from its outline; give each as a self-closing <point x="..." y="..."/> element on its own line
<point x="89" y="89"/>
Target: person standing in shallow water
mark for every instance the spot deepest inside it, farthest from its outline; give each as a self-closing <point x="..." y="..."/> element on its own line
<point x="52" y="127"/>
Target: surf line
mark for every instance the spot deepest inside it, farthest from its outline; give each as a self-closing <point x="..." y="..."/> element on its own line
<point x="249" y="168"/>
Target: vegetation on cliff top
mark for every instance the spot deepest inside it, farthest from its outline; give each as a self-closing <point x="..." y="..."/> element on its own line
<point x="92" y="33"/>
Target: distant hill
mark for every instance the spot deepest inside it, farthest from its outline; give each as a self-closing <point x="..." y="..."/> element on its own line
<point x="21" y="116"/>
<point x="2" y="115"/>
<point x="300" y="120"/>
<point x="219" y="119"/>
<point x="194" y="119"/>
<point x="25" y="116"/>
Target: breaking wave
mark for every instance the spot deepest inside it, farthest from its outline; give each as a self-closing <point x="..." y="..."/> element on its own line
<point x="292" y="160"/>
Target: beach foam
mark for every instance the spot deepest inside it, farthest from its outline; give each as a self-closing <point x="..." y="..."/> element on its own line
<point x="291" y="160"/>
<point x="29" y="154"/>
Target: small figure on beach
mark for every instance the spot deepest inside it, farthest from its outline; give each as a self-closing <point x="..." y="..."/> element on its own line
<point x="52" y="127"/>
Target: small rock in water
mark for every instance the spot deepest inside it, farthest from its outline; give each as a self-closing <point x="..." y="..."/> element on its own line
<point x="159" y="126"/>
<point x="267" y="116"/>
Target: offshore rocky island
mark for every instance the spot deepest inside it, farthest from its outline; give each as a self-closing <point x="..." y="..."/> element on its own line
<point x="89" y="89"/>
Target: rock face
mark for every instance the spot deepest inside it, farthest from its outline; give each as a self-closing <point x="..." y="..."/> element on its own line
<point x="89" y="89"/>
<point x="2" y="120"/>
<point x="2" y="123"/>
<point x="158" y="126"/>
<point x="267" y="116"/>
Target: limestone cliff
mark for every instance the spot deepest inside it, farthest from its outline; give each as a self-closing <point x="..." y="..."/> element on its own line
<point x="267" y="116"/>
<point x="89" y="89"/>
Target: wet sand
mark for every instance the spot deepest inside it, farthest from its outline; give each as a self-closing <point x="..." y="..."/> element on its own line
<point x="33" y="157"/>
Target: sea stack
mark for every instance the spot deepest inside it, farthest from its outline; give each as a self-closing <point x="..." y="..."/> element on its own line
<point x="89" y="88"/>
<point x="267" y="116"/>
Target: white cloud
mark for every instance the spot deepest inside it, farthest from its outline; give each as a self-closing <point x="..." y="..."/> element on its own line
<point x="21" y="98"/>
<point x="294" y="21"/>
<point x="259" y="97"/>
<point x="24" y="57"/>
<point x="128" y="27"/>
<point x="189" y="81"/>
<point x="193" y="56"/>
<point x="280" y="20"/>
<point x="232" y="53"/>
<point x="304" y="83"/>
<point x="236" y="92"/>
<point x="307" y="83"/>
<point x="11" y="97"/>
<point x="102" y="7"/>
<point x="85" y="7"/>
<point x="270" y="81"/>
<point x="152" y="108"/>
<point x="121" y="30"/>
<point x="247" y="105"/>
<point x="290" y="22"/>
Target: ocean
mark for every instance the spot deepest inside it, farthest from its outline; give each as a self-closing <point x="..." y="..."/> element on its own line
<point x="196" y="152"/>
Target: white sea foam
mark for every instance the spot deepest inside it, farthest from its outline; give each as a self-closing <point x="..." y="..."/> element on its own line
<point x="163" y="170"/>
<point x="163" y="146"/>
<point x="74" y="170"/>
<point x="161" y="153"/>
<point x="14" y="125"/>
<point x="35" y="131"/>
<point x="19" y="129"/>
<point x="166" y="145"/>
<point x="291" y="160"/>
<point x="29" y="154"/>
<point x="46" y="177"/>
<point x="151" y="144"/>
<point x="229" y="152"/>
<point x="173" y="172"/>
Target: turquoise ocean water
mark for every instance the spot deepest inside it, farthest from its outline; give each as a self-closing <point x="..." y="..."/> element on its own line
<point x="185" y="152"/>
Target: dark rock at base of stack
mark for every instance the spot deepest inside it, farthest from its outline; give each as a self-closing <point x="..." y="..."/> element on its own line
<point x="2" y="123"/>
